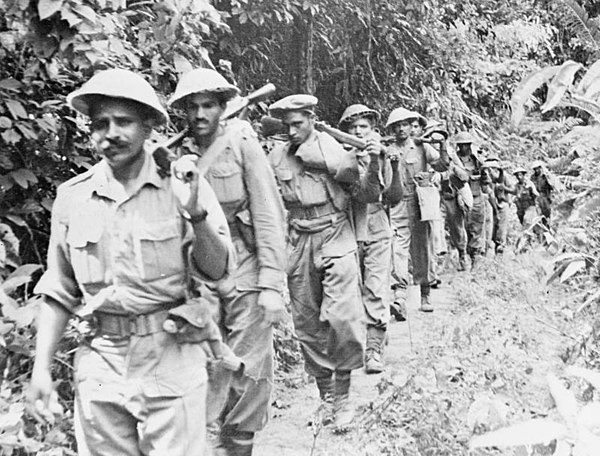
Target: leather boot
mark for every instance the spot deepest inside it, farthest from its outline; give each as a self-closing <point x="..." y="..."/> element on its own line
<point x="398" y="307"/>
<point x="426" y="305"/>
<point x="325" y="412"/>
<point x="235" y="443"/>
<point x="374" y="351"/>
<point x="344" y="412"/>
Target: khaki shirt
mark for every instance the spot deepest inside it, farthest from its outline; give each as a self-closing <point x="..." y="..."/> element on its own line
<point x="118" y="253"/>
<point x="313" y="173"/>
<point x="413" y="160"/>
<point x="243" y="182"/>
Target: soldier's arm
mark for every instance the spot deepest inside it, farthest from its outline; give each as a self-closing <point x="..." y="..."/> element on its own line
<point x="435" y="159"/>
<point x="394" y="192"/>
<point x="268" y="215"/>
<point x="370" y="185"/>
<point x="60" y="294"/>
<point x="212" y="246"/>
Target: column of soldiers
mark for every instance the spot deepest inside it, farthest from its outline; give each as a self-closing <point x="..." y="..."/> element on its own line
<point x="153" y="259"/>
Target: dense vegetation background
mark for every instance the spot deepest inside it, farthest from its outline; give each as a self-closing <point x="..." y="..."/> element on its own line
<point x="458" y="61"/>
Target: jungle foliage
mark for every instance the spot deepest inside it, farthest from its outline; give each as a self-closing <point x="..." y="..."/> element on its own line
<point x="458" y="61"/>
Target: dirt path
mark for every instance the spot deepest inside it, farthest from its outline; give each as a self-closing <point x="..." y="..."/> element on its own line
<point x="493" y="330"/>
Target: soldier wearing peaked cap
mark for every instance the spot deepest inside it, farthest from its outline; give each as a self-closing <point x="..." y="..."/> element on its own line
<point x="249" y="300"/>
<point x="119" y="256"/>
<point x="412" y="235"/>
<point x="323" y="275"/>
<point x="373" y="230"/>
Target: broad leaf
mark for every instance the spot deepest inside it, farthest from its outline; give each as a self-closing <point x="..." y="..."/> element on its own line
<point x="573" y="268"/>
<point x="525" y="90"/>
<point x="16" y="109"/>
<point x="560" y="83"/>
<point x="563" y="398"/>
<point x="47" y="8"/>
<point x="589" y="77"/>
<point x="528" y="433"/>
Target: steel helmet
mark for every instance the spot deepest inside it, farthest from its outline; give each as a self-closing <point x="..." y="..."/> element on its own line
<point x="519" y="170"/>
<point x="422" y="120"/>
<point x="118" y="83"/>
<point x="400" y="114"/>
<point x="356" y="111"/>
<point x="202" y="80"/>
<point x="537" y="164"/>
<point x="492" y="162"/>
<point x="464" y="137"/>
<point x="435" y="126"/>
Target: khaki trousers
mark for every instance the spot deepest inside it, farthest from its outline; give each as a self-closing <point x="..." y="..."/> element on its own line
<point x="323" y="281"/>
<point x="140" y="396"/>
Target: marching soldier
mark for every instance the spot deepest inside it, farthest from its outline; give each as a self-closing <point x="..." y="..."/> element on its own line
<point x="501" y="187"/>
<point x="375" y="245"/>
<point x="323" y="275"/>
<point x="411" y="235"/>
<point x="249" y="301"/>
<point x="525" y="198"/>
<point x="475" y="219"/>
<point x="119" y="244"/>
<point x="543" y="184"/>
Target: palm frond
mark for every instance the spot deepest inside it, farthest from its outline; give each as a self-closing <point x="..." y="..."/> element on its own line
<point x="561" y="82"/>
<point x="582" y="103"/>
<point x="589" y="77"/>
<point x="576" y="19"/>
<point x="593" y="90"/>
<point x="525" y="90"/>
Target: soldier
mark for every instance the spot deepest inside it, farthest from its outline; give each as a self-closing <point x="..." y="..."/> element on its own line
<point x="411" y="235"/>
<point x="543" y="184"/>
<point x="119" y="244"/>
<point x="249" y="301"/>
<point x="323" y="275"/>
<point x="475" y="220"/>
<point x="502" y="187"/>
<point x="375" y="245"/>
<point x="525" y="199"/>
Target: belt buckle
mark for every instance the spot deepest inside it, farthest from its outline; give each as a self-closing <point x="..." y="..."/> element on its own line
<point x="132" y="325"/>
<point x="311" y="212"/>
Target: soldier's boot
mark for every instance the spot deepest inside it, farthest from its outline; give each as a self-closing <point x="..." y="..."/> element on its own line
<point x="344" y="411"/>
<point x="462" y="261"/>
<point x="398" y="307"/>
<point x="374" y="350"/>
<point x="426" y="305"/>
<point x="235" y="443"/>
<point x="325" y="412"/>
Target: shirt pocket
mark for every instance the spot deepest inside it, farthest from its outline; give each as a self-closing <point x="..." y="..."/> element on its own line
<point x="161" y="248"/>
<point x="227" y="182"/>
<point x="88" y="259"/>
<point x="285" y="177"/>
<point x="313" y="189"/>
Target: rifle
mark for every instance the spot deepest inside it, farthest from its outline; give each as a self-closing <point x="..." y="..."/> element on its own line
<point x="163" y="156"/>
<point x="338" y="135"/>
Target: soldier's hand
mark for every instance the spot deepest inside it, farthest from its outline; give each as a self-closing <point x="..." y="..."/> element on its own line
<point x="374" y="147"/>
<point x="41" y="400"/>
<point x="393" y="155"/>
<point x="436" y="178"/>
<point x="185" y="183"/>
<point x="271" y="302"/>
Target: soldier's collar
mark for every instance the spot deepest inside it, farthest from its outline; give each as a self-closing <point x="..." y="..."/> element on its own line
<point x="104" y="184"/>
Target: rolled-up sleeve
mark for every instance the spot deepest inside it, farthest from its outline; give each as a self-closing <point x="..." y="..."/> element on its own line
<point x="58" y="281"/>
<point x="215" y="218"/>
<point x="268" y="215"/>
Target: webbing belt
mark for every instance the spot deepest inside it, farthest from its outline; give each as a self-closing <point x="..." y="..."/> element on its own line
<point x="130" y="325"/>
